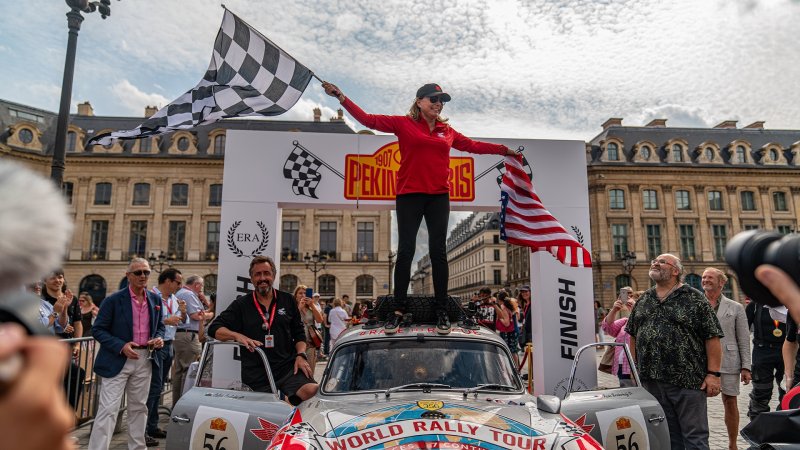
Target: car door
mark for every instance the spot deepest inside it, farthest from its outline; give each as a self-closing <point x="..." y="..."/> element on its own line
<point x="623" y="418"/>
<point x="219" y="411"/>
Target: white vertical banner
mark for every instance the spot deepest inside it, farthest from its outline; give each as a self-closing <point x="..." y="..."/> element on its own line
<point x="247" y="229"/>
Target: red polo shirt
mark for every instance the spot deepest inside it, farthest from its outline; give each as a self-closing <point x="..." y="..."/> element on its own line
<point x="424" y="154"/>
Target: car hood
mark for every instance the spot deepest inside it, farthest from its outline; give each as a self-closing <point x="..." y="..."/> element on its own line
<point x="436" y="422"/>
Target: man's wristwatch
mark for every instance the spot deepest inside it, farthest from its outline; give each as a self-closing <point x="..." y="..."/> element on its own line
<point x="716" y="374"/>
<point x="303" y="355"/>
<point x="54" y="315"/>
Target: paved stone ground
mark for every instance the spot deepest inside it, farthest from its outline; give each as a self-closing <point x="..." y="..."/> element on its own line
<point x="717" y="441"/>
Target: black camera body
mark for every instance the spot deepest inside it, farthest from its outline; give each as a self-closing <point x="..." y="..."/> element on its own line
<point x="749" y="249"/>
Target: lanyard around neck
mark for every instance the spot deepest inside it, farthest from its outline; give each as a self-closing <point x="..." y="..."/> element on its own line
<point x="272" y="308"/>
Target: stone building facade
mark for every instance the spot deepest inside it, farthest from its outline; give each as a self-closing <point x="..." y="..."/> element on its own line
<point x="163" y="196"/>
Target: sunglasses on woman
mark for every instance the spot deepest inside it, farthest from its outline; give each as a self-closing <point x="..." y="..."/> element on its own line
<point x="437" y="99"/>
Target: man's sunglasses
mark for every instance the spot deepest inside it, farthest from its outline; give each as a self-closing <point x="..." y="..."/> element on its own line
<point x="437" y="99"/>
<point x="139" y="273"/>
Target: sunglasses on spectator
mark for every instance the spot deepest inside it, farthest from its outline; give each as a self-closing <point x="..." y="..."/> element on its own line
<point x="661" y="262"/>
<point x="139" y="273"/>
<point x="436" y="99"/>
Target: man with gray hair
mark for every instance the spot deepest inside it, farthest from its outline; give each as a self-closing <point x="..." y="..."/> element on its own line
<point x="187" y="339"/>
<point x="735" y="347"/>
<point x="675" y="342"/>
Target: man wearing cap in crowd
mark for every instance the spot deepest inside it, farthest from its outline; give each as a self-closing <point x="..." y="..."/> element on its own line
<point x="423" y="186"/>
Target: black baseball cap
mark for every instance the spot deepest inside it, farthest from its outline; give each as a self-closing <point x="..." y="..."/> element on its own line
<point x="524" y="287"/>
<point x="431" y="89"/>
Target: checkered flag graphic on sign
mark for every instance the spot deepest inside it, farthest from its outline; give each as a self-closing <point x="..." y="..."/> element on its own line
<point x="248" y="76"/>
<point x="501" y="167"/>
<point x="302" y="167"/>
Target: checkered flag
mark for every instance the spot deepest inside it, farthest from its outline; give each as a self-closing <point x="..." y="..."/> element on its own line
<point x="248" y="76"/>
<point x="302" y="167"/>
<point x="501" y="167"/>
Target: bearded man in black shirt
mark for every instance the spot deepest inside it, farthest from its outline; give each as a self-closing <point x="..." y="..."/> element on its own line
<point x="268" y="318"/>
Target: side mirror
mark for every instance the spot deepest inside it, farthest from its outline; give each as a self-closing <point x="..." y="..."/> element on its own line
<point x="549" y="404"/>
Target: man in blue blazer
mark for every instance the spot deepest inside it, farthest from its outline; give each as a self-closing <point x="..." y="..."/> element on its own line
<point x="128" y="323"/>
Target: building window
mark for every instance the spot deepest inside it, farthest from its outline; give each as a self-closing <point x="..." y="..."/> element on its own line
<point x="183" y="144"/>
<point x="645" y="152"/>
<point x="364" y="286"/>
<point x="677" y="153"/>
<point x="212" y="240"/>
<point x="177" y="239"/>
<point x="290" y="237"/>
<point x="720" y="234"/>
<point x="612" y="150"/>
<point x="210" y="284"/>
<point x="622" y="281"/>
<point x="365" y="241"/>
<point x="687" y="241"/>
<point x="773" y="154"/>
<point x="616" y="199"/>
<point x="145" y="145"/>
<point x="496" y="254"/>
<point x="327" y="285"/>
<point x="26" y="115"/>
<point x="619" y="237"/>
<point x="72" y="141"/>
<point x="682" y="201"/>
<point x="695" y="281"/>
<point x="138" y="241"/>
<point x="215" y="195"/>
<point x="99" y="240"/>
<point x="779" y="201"/>
<point x="102" y="194"/>
<point x="66" y="188"/>
<point x="327" y="240"/>
<point x="715" y="200"/>
<point x="709" y="154"/>
<point x="25" y="136"/>
<point x="496" y="239"/>
<point x="785" y="229"/>
<point x="497" y="275"/>
<point x="219" y="144"/>
<point x="650" y="198"/>
<point x="741" y="155"/>
<point x="141" y="194"/>
<point x="748" y="200"/>
<point x="750" y="226"/>
<point x="180" y="194"/>
<point x="289" y="283"/>
<point x="653" y="241"/>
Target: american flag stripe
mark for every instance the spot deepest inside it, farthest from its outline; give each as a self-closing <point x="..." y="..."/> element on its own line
<point x="526" y="222"/>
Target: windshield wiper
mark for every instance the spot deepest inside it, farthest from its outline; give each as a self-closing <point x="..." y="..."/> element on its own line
<point x="426" y="387"/>
<point x="496" y="386"/>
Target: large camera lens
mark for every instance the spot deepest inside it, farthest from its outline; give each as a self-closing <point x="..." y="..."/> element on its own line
<point x="748" y="250"/>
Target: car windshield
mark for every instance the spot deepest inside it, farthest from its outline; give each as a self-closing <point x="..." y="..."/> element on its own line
<point x="381" y="365"/>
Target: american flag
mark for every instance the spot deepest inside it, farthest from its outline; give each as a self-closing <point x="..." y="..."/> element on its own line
<point x="525" y="221"/>
<point x="248" y="76"/>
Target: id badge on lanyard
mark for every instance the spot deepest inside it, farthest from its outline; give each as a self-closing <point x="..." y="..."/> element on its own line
<point x="269" y="339"/>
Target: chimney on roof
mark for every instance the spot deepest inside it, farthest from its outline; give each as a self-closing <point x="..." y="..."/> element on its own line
<point x="85" y="109"/>
<point x="339" y="116"/>
<point x="612" y="122"/>
<point x="756" y="125"/>
<point x="726" y="124"/>
<point x="149" y="111"/>
<point x="317" y="114"/>
<point x="657" y="123"/>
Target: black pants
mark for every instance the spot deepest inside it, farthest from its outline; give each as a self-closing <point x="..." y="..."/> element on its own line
<point x="767" y="371"/>
<point x="411" y="209"/>
<point x="165" y="355"/>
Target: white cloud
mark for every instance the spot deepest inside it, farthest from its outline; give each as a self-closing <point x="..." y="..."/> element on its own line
<point x="134" y="99"/>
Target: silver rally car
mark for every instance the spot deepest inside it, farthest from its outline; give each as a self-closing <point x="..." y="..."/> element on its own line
<point x="415" y="389"/>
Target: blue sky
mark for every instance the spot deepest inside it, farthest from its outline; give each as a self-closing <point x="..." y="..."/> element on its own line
<point x="524" y="69"/>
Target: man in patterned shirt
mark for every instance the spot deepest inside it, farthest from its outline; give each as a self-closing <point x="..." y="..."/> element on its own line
<point x="675" y="339"/>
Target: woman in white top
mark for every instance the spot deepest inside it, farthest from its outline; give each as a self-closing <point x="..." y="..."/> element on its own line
<point x="339" y="320"/>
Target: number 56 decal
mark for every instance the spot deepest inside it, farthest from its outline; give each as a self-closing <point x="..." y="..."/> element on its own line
<point x="623" y="428"/>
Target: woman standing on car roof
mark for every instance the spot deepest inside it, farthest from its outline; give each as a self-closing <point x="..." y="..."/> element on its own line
<point x="423" y="186"/>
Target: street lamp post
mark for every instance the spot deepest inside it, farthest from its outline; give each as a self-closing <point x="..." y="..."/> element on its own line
<point x="160" y="260"/>
<point x="315" y="263"/>
<point x="628" y="262"/>
<point x="392" y="255"/>
<point x="74" y="20"/>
